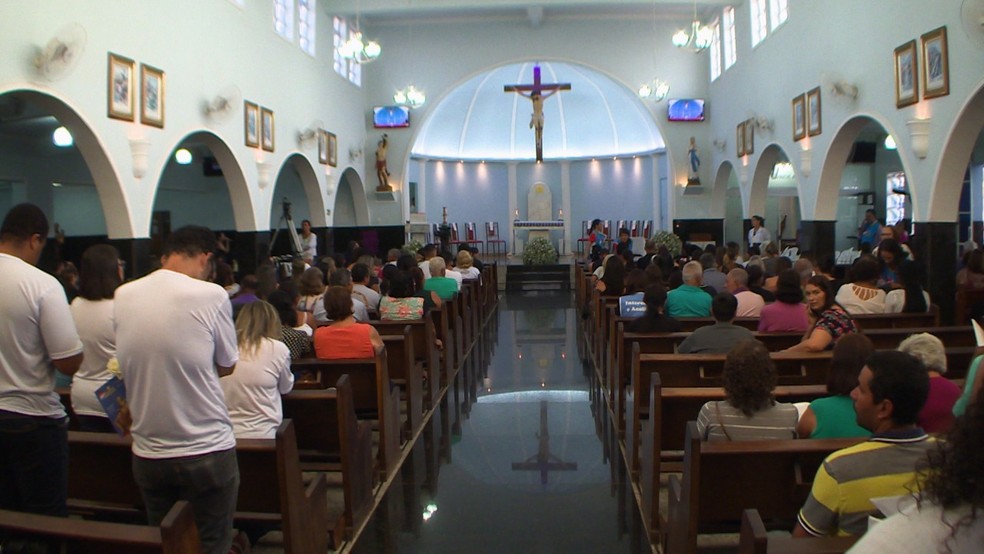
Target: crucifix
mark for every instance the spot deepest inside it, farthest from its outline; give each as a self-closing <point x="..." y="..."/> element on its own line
<point x="544" y="461"/>
<point x="535" y="93"/>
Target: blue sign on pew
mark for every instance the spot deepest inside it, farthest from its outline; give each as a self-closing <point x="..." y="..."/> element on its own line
<point x="631" y="305"/>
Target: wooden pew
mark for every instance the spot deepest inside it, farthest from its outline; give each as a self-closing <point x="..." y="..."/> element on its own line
<point x="176" y="535"/>
<point x="703" y="370"/>
<point x="406" y="373"/>
<point x="755" y="540"/>
<point x="100" y="480"/>
<point x="374" y="396"/>
<point x="329" y="433"/>
<point x="721" y="479"/>
<point x="423" y="336"/>
<point x="662" y="434"/>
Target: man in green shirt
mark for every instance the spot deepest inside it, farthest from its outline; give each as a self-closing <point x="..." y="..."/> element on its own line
<point x="445" y="287"/>
<point x="689" y="300"/>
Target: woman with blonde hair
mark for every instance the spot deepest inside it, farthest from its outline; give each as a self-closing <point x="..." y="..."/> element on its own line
<point x="252" y="392"/>
<point x="463" y="264"/>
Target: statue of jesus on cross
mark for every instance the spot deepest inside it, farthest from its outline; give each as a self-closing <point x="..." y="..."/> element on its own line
<point x="535" y="93"/>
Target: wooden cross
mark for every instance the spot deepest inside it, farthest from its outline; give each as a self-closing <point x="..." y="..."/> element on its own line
<point x="535" y="93"/>
<point x="543" y="461"/>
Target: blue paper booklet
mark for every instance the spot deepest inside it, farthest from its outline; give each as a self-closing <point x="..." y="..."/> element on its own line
<point x="112" y="396"/>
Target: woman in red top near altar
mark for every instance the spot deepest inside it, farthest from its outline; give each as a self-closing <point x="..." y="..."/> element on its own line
<point x="344" y="337"/>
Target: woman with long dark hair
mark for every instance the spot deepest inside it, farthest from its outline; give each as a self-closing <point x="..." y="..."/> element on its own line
<point x="92" y="310"/>
<point x="910" y="298"/>
<point x="833" y="416"/>
<point x="829" y="320"/>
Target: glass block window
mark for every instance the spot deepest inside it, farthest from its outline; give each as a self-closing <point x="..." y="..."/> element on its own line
<point x="760" y="21"/>
<point x="346" y="68"/>
<point x="716" y="52"/>
<point x="306" y="17"/>
<point x="778" y="13"/>
<point x="283" y="18"/>
<point x="730" y="49"/>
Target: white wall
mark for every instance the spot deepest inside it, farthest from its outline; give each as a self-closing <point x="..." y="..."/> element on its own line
<point x="436" y="56"/>
<point x="843" y="40"/>
<point x="204" y="47"/>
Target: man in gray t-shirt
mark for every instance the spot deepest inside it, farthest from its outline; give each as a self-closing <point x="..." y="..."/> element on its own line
<point x="722" y="335"/>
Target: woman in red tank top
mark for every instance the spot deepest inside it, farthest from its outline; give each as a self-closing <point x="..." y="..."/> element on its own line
<point x="344" y="337"/>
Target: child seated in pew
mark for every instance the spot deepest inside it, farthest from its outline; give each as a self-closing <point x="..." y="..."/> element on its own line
<point x="344" y="337"/>
<point x="252" y="392"/>
<point x="750" y="411"/>
<point x="833" y="417"/>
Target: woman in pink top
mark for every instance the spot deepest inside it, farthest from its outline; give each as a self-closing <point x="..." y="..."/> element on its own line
<point x="344" y="338"/>
<point x="787" y="313"/>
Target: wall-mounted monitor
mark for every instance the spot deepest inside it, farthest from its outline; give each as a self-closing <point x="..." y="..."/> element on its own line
<point x="389" y="117"/>
<point x="685" y="109"/>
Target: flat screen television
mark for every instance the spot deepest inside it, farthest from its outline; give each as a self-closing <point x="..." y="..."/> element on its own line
<point x="390" y="117"/>
<point x="685" y="109"/>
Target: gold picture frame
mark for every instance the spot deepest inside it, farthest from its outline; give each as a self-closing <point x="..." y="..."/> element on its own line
<point x="906" y="76"/>
<point x="799" y="117"/>
<point x="251" y="124"/>
<point x="813" y="113"/>
<point x="740" y="139"/>
<point x="749" y="127"/>
<point x="151" y="96"/>
<point x="120" y="94"/>
<point x="332" y="149"/>
<point x="322" y="147"/>
<point x="935" y="63"/>
<point x="266" y="129"/>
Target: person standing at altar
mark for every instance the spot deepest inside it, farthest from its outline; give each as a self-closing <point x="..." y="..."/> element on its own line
<point x="309" y="243"/>
<point x="758" y="235"/>
<point x="597" y="240"/>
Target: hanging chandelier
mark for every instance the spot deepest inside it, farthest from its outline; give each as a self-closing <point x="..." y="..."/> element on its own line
<point x="410" y="96"/>
<point x="358" y="51"/>
<point x="698" y="39"/>
<point x="655" y="90"/>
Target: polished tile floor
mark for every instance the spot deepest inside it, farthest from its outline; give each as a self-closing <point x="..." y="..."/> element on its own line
<point x="529" y="468"/>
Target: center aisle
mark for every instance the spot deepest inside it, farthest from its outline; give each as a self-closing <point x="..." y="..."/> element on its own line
<point x="528" y="469"/>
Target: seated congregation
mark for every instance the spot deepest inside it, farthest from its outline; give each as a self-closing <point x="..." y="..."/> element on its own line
<point x="777" y="364"/>
<point x="232" y="389"/>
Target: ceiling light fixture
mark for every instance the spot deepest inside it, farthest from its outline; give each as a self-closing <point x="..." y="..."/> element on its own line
<point x="355" y="49"/>
<point x="62" y="138"/>
<point x="655" y="90"/>
<point x="698" y="39"/>
<point x="410" y="96"/>
<point x="182" y="156"/>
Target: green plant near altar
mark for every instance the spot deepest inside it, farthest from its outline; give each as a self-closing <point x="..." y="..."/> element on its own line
<point x="411" y="247"/>
<point x="669" y="240"/>
<point x="539" y="251"/>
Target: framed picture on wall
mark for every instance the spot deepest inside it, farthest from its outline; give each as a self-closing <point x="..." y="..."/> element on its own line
<point x="332" y="149"/>
<point x="266" y="129"/>
<point x="813" y="112"/>
<point x="322" y="146"/>
<point x="251" y="123"/>
<point x="906" y="76"/>
<point x="151" y="96"/>
<point x="935" y="64"/>
<point x="740" y="139"/>
<point x="799" y="117"/>
<point x="749" y="127"/>
<point x="120" y="77"/>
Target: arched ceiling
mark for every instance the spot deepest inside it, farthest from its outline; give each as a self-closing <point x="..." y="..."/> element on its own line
<point x="479" y="121"/>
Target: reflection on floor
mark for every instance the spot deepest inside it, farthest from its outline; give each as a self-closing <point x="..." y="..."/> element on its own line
<point x="532" y="465"/>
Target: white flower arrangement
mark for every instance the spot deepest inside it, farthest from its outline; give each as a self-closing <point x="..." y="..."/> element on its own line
<point x="539" y="251"/>
<point x="670" y="241"/>
<point x="411" y="247"/>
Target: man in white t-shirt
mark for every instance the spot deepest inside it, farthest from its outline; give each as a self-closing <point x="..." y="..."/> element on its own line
<point x="37" y="337"/>
<point x="183" y="443"/>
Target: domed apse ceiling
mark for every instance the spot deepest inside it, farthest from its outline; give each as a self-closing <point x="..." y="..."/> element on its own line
<point x="479" y="121"/>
